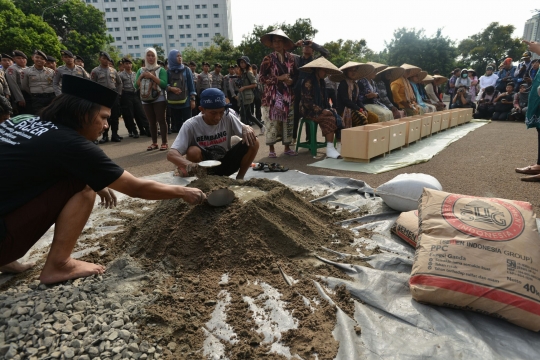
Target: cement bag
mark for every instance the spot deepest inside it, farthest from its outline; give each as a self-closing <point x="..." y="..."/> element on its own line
<point x="478" y="254"/>
<point x="406" y="227"/>
<point x="402" y="192"/>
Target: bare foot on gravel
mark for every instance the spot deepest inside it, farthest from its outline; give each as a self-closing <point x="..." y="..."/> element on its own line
<point x="15" y="267"/>
<point x="72" y="269"/>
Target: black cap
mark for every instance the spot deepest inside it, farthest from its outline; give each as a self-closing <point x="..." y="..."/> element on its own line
<point x="6" y="56"/>
<point x="19" y="53"/>
<point x="192" y="63"/>
<point x="88" y="90"/>
<point x="67" y="53"/>
<point x="126" y="60"/>
<point x="121" y="61"/>
<point x="78" y="57"/>
<point x="205" y="63"/>
<point x="218" y="65"/>
<point x="106" y="55"/>
<point x="40" y="53"/>
<point x="51" y="58"/>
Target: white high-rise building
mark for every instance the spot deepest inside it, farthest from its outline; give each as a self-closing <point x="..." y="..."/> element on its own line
<point x="532" y="30"/>
<point x="171" y="24"/>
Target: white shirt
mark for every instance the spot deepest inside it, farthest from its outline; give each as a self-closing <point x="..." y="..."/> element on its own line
<point x="486" y="81"/>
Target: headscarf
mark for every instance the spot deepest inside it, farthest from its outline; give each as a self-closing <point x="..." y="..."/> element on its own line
<point x="147" y="65"/>
<point x="507" y="61"/>
<point x="173" y="63"/>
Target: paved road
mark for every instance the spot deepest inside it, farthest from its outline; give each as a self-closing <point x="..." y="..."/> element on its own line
<point x="481" y="164"/>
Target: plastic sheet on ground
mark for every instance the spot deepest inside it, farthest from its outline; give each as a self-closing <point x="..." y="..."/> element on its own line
<point x="393" y="325"/>
<point x="419" y="152"/>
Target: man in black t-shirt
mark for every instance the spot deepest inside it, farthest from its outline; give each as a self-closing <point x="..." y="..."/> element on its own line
<point x="50" y="172"/>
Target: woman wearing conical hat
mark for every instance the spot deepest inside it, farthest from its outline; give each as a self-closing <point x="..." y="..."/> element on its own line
<point x="369" y="94"/>
<point x="383" y="79"/>
<point x="403" y="92"/>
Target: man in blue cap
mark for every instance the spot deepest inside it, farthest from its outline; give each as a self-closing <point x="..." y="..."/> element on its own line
<point x="50" y="172"/>
<point x="208" y="136"/>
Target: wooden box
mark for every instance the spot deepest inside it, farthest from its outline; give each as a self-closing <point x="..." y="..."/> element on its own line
<point x="462" y="116"/>
<point x="468" y="115"/>
<point x="413" y="129"/>
<point x="398" y="134"/>
<point x="426" y="125"/>
<point x="454" y="118"/>
<point x="436" y="123"/>
<point x="363" y="143"/>
<point x="445" y="119"/>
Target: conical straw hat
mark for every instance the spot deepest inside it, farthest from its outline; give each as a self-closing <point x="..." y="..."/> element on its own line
<point x="439" y="79"/>
<point x="360" y="70"/>
<point x="378" y="67"/>
<point x="267" y="39"/>
<point x="421" y="75"/>
<point x="394" y="71"/>
<point x="321" y="63"/>
<point x="410" y="70"/>
<point x="428" y="79"/>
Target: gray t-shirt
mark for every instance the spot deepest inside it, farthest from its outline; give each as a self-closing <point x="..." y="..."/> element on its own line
<point x="214" y="138"/>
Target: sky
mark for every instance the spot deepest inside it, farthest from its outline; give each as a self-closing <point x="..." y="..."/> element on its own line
<point x="355" y="19"/>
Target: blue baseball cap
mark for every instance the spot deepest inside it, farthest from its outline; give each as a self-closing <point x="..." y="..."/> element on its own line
<point x="213" y="99"/>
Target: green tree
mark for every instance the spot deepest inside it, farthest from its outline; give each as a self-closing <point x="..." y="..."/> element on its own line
<point x="252" y="47"/>
<point x="342" y="51"/>
<point x="80" y="27"/>
<point x="413" y="47"/>
<point x="221" y="51"/>
<point x="493" y="44"/>
<point x="25" y="33"/>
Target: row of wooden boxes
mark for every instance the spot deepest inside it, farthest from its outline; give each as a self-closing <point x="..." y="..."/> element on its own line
<point x="363" y="143"/>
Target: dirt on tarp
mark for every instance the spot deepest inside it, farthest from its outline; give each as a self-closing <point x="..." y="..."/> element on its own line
<point x="267" y="242"/>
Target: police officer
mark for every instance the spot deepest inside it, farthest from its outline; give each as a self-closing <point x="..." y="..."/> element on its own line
<point x="6" y="62"/>
<point x="37" y="80"/>
<point x="204" y="80"/>
<point x="79" y="61"/>
<point x="131" y="102"/>
<point x="51" y="62"/>
<point x="19" y="98"/>
<point x="107" y="76"/>
<point x="193" y="66"/>
<point x="217" y="78"/>
<point x="69" y="68"/>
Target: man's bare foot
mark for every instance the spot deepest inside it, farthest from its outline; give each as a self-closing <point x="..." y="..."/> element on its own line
<point x="15" y="267"/>
<point x="72" y="269"/>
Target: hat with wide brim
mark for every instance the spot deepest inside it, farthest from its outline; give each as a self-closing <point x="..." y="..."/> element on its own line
<point x="321" y="63"/>
<point x="378" y="67"/>
<point x="267" y="39"/>
<point x="439" y="79"/>
<point x="421" y="75"/>
<point x="394" y="73"/>
<point x="427" y="79"/>
<point x="360" y="71"/>
<point x="410" y="70"/>
<point x="88" y="90"/>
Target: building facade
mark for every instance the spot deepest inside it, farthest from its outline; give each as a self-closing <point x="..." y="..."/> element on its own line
<point x="171" y="24"/>
<point x="532" y="30"/>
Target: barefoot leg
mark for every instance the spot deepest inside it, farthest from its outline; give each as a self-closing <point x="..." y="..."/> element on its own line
<point x="247" y="160"/>
<point x="15" y="267"/>
<point x="59" y="265"/>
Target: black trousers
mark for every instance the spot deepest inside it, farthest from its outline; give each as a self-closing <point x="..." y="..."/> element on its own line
<point x="113" y="119"/>
<point x="246" y="116"/>
<point x="132" y="112"/>
<point x="179" y="116"/>
<point x="39" y="102"/>
<point x="256" y="107"/>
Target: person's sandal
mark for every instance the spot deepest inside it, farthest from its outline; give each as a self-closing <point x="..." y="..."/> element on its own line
<point x="272" y="154"/>
<point x="164" y="147"/>
<point x="260" y="166"/>
<point x="152" y="147"/>
<point x="275" y="167"/>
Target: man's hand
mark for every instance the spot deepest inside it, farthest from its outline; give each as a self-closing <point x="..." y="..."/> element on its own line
<point x="175" y="90"/>
<point x="192" y="104"/>
<point x="248" y="135"/>
<point x="533" y="46"/>
<point x="193" y="196"/>
<point x="108" y="198"/>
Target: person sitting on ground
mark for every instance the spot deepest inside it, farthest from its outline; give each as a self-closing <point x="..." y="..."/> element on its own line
<point x="488" y="79"/>
<point x="504" y="103"/>
<point x="506" y="75"/>
<point x="486" y="104"/>
<point x="209" y="136"/>
<point x="432" y="90"/>
<point x="314" y="103"/>
<point x="369" y="94"/>
<point x="523" y="67"/>
<point x="419" y="92"/>
<point x="59" y="170"/>
<point x="462" y="99"/>
<point x="521" y="100"/>
<point x="383" y="79"/>
<point x="403" y="92"/>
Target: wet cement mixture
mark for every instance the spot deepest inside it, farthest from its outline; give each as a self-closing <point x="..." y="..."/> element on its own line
<point x="238" y="281"/>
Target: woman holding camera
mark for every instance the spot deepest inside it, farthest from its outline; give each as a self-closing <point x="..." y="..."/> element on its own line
<point x="462" y="99"/>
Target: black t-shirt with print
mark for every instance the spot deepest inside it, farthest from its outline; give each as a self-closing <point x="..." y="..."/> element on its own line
<point x="35" y="154"/>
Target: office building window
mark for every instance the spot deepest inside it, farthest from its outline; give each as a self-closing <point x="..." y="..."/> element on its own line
<point x="135" y="38"/>
<point x="167" y="8"/>
<point x="107" y="10"/>
<point x="188" y="26"/>
<point x="200" y="43"/>
<point x="151" y="36"/>
<point x="183" y="44"/>
<point x="137" y="46"/>
<point x="150" y="16"/>
<point x="109" y="19"/>
<point x="180" y="26"/>
<point x="205" y="25"/>
<point x="204" y="6"/>
<point x="115" y="10"/>
<point x="216" y="25"/>
<point x="186" y="7"/>
<point x="205" y="16"/>
<point x="118" y="38"/>
<point x="218" y="34"/>
<point x="169" y="17"/>
<point x="150" y="26"/>
<point x="169" y="26"/>
<point x="198" y="16"/>
<point x="116" y="29"/>
<point x="128" y="28"/>
<point x="119" y="47"/>
<point x="109" y="29"/>
<point x="113" y="0"/>
<point x="153" y="44"/>
<point x="94" y="1"/>
<point x="130" y="46"/>
<point x="106" y="0"/>
<point x="206" y="43"/>
<point x="179" y="7"/>
<point x="199" y="26"/>
<point x="171" y="44"/>
<point x="126" y="19"/>
<point x="188" y="36"/>
<point x="182" y="36"/>
<point x="197" y="6"/>
<point x="133" y="18"/>
<point x="148" y="6"/>
<point x="187" y="16"/>
<point x="134" y="28"/>
<point x="130" y="37"/>
<point x="137" y="54"/>
<point x="171" y="36"/>
<point x="206" y="35"/>
<point x="131" y="9"/>
<point x="215" y="6"/>
<point x="115" y="19"/>
<point x="199" y="35"/>
<point x="180" y="17"/>
<point x="216" y="16"/>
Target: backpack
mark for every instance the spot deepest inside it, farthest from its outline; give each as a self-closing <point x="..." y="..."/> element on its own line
<point x="177" y="79"/>
<point x="150" y="91"/>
